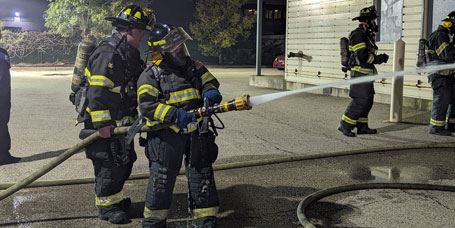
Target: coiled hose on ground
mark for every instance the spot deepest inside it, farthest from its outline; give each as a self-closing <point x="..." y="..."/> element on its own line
<point x="11" y="188"/>
<point x="312" y="198"/>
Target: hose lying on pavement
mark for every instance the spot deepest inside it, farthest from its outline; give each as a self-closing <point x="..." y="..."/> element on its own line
<point x="312" y="198"/>
<point x="11" y="188"/>
<point x="62" y="157"/>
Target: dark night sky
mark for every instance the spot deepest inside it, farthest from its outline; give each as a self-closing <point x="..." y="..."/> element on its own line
<point x="175" y="12"/>
<point x="29" y="9"/>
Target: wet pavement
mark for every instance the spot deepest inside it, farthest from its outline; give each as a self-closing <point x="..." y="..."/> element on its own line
<point x="267" y="196"/>
<point x="42" y="126"/>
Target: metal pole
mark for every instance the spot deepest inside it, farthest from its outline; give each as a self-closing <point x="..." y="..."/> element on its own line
<point x="396" y="103"/>
<point x="259" y="37"/>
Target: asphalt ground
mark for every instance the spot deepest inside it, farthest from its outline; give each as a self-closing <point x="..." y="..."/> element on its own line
<point x="267" y="196"/>
<point x="42" y="126"/>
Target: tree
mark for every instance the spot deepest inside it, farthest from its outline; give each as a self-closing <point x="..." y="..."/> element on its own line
<point x="219" y="25"/>
<point x="83" y="17"/>
<point x="21" y="45"/>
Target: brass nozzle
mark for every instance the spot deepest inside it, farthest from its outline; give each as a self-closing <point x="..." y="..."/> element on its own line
<point x="238" y="103"/>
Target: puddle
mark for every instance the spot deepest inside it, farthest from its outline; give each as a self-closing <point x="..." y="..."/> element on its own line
<point x="18" y="203"/>
<point x="405" y="174"/>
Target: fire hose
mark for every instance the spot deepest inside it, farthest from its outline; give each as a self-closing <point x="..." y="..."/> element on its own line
<point x="237" y="104"/>
<point x="314" y="197"/>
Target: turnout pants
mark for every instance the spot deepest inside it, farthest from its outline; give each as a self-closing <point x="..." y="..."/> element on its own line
<point x="5" y="139"/>
<point x="165" y="150"/>
<point x="356" y="114"/>
<point x="110" y="174"/>
<point x="443" y="108"/>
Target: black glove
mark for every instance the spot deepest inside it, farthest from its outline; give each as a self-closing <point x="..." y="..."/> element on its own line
<point x="382" y="58"/>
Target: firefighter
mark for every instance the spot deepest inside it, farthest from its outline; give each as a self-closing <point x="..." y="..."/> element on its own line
<point x="173" y="85"/>
<point x="111" y="73"/>
<point x="363" y="47"/>
<point x="5" y="104"/>
<point x="442" y="51"/>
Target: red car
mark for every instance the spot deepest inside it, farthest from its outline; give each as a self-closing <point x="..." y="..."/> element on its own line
<point x="279" y="62"/>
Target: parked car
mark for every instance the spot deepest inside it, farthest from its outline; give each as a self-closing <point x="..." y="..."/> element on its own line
<point x="279" y="62"/>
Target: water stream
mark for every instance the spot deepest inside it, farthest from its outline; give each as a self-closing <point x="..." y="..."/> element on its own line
<point x="261" y="99"/>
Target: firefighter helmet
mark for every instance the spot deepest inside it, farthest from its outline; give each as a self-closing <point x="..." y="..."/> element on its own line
<point x="449" y="22"/>
<point x="134" y="16"/>
<point x="167" y="38"/>
<point x="368" y="13"/>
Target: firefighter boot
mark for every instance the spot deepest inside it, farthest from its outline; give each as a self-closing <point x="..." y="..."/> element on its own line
<point x="440" y="131"/>
<point x="115" y="216"/>
<point x="363" y="129"/>
<point x="125" y="204"/>
<point x="346" y="131"/>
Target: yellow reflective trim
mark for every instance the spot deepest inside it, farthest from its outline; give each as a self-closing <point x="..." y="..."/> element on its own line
<point x="101" y="115"/>
<point x="173" y="127"/>
<point x="127" y="11"/>
<point x="159" y="43"/>
<point x="362" y="120"/>
<point x="370" y="58"/>
<point x="437" y="123"/>
<point x="138" y="15"/>
<point x="183" y="95"/>
<point x="100" y="80"/>
<point x="161" y="112"/>
<point x="208" y="86"/>
<point x="355" y="48"/>
<point x="348" y="120"/>
<point x="441" y="48"/>
<point x="87" y="72"/>
<point x="149" y="89"/>
<point x="205" y="212"/>
<point x="362" y="70"/>
<point x="156" y="214"/>
<point x="105" y="201"/>
<point x="206" y="77"/>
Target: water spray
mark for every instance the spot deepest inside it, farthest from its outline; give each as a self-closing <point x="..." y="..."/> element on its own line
<point x="246" y="102"/>
<point x="261" y="99"/>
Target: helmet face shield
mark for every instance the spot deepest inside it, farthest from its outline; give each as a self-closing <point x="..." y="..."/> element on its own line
<point x="173" y="40"/>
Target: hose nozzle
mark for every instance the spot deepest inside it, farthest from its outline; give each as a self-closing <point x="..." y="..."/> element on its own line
<point x="236" y="104"/>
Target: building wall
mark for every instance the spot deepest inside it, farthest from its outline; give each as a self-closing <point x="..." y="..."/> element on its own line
<point x="23" y="25"/>
<point x="315" y="27"/>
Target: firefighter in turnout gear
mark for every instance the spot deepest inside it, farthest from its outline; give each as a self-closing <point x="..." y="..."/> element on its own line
<point x="442" y="51"/>
<point x="111" y="78"/>
<point x="363" y="47"/>
<point x="173" y="85"/>
<point x="5" y="108"/>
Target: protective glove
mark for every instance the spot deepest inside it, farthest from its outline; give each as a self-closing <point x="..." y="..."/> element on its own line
<point x="382" y="58"/>
<point x="213" y="96"/>
<point x="182" y="118"/>
<point x="106" y="132"/>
